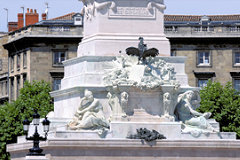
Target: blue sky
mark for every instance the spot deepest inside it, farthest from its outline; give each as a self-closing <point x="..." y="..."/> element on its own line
<point x="61" y="7"/>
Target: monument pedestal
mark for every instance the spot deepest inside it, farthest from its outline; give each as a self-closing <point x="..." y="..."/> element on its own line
<point x="125" y="149"/>
<point x="117" y="44"/>
<point x="112" y="26"/>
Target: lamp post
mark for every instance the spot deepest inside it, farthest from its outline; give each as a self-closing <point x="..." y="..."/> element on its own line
<point x="46" y="11"/>
<point x="36" y="150"/>
<point x="23" y="15"/>
<point x="7" y="16"/>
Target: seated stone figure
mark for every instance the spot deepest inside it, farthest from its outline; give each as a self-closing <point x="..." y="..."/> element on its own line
<point x="89" y="114"/>
<point x="193" y="120"/>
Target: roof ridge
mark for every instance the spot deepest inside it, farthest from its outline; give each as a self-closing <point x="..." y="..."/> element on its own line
<point x="62" y="17"/>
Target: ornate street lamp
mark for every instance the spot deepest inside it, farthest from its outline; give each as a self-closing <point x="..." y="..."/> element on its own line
<point x="36" y="150"/>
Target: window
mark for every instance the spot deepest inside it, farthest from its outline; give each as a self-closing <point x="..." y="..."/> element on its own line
<point x="24" y="78"/>
<point x="203" y="58"/>
<point x="25" y="59"/>
<point x="0" y="64"/>
<point x="171" y="29"/>
<point x="203" y="78"/>
<point x="12" y="88"/>
<point x="11" y="63"/>
<point x="56" y="80"/>
<point x="202" y="82"/>
<point x="173" y="53"/>
<point x="236" y="80"/>
<point x="236" y="83"/>
<point x="59" y="57"/>
<point x="18" y="61"/>
<point x="204" y="28"/>
<point x="18" y="85"/>
<point x="56" y="84"/>
<point x="78" y="20"/>
<point x="233" y="28"/>
<point x="236" y="58"/>
<point x="197" y="29"/>
<point x="2" y="88"/>
<point x="211" y="28"/>
<point x="6" y="88"/>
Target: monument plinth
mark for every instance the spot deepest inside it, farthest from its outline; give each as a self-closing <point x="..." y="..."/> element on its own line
<point x="112" y="26"/>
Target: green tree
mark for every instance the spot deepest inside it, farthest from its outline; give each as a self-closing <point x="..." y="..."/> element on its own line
<point x="224" y="104"/>
<point x="32" y="96"/>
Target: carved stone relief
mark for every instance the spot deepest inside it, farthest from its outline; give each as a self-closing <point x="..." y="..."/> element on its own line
<point x="148" y="75"/>
<point x="89" y="114"/>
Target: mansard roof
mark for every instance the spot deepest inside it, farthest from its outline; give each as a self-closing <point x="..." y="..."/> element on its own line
<point x="197" y="18"/>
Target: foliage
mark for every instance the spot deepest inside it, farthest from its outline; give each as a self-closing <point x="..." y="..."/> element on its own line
<point x="224" y="104"/>
<point x="32" y="96"/>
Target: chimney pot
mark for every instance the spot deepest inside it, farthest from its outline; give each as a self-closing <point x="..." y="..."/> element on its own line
<point x="12" y="26"/>
<point x="44" y="16"/>
<point x="27" y="10"/>
<point x="31" y="18"/>
<point x="20" y="20"/>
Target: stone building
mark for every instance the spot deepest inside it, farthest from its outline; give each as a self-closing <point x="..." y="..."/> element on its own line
<point x="3" y="69"/>
<point x="211" y="45"/>
<point x="36" y="51"/>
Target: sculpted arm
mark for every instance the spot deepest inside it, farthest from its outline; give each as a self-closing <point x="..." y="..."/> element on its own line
<point x="192" y="111"/>
<point x="90" y="107"/>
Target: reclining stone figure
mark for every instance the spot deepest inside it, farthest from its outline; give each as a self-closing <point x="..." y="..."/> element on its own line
<point x="193" y="121"/>
<point x="89" y="114"/>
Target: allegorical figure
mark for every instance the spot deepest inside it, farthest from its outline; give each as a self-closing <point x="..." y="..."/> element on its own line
<point x="168" y="109"/>
<point x="124" y="100"/>
<point x="184" y="112"/>
<point x="89" y="114"/>
<point x="114" y="103"/>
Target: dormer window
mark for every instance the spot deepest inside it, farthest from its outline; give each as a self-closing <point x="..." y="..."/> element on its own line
<point x="78" y="19"/>
<point x="205" y="20"/>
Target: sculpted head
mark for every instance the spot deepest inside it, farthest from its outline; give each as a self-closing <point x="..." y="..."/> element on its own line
<point x="189" y="95"/>
<point x="124" y="96"/>
<point x="167" y="96"/>
<point x="88" y="94"/>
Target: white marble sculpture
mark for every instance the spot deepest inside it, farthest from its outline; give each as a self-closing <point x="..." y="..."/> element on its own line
<point x="194" y="122"/>
<point x="152" y="73"/>
<point x="114" y="103"/>
<point x="157" y="5"/>
<point x="91" y="6"/>
<point x="89" y="114"/>
<point x="124" y="100"/>
<point x="168" y="109"/>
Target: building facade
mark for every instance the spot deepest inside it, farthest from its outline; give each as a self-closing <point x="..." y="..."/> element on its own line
<point x="36" y="52"/>
<point x="211" y="45"/>
<point x="3" y="69"/>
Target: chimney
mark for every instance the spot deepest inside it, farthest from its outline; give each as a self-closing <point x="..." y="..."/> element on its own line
<point x="31" y="18"/>
<point x="12" y="26"/>
<point x="44" y="16"/>
<point x="20" y="20"/>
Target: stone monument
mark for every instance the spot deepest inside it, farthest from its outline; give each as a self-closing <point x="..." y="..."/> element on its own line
<point x="118" y="87"/>
<point x="112" y="26"/>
